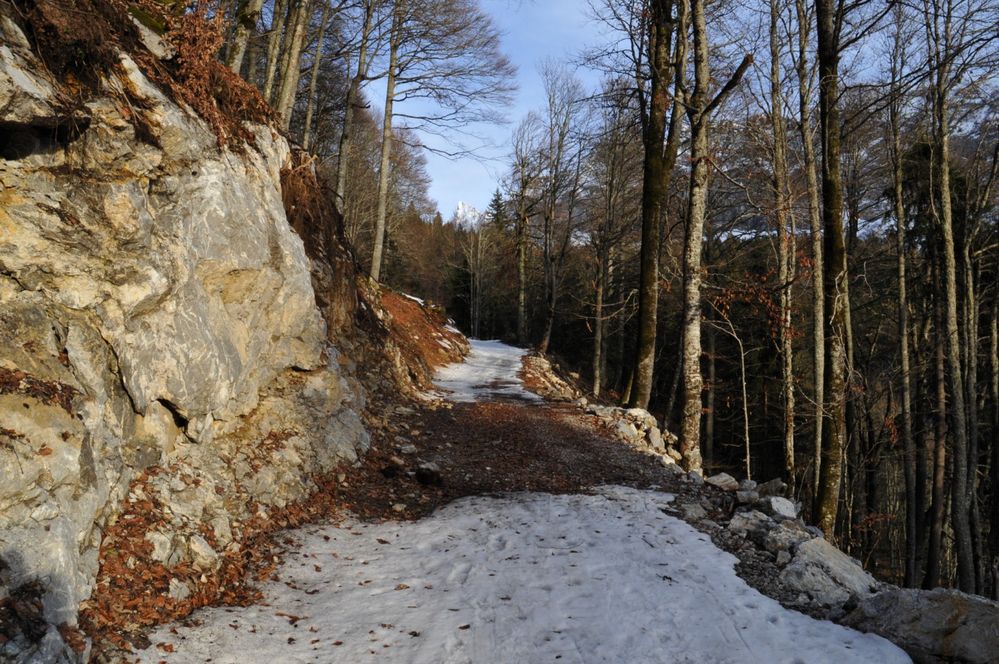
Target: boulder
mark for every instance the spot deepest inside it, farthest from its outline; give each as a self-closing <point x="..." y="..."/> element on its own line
<point x="641" y="417"/>
<point x="826" y="576"/>
<point x="752" y="525"/>
<point x="692" y="511"/>
<point x="786" y="536"/>
<point x="746" y="497"/>
<point x="775" y="487"/>
<point x="655" y="439"/>
<point x="777" y="507"/>
<point x="932" y="626"/>
<point x="723" y="481"/>
<point x="627" y="432"/>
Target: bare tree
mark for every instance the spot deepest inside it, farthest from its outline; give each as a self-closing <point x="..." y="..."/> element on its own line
<point x="784" y="221"/>
<point x="559" y="178"/>
<point x="700" y="107"/>
<point x="317" y="58"/>
<point x="914" y="480"/>
<point x="446" y="54"/>
<point x="353" y="95"/>
<point x="524" y="179"/>
<point x="247" y="15"/>
<point x="279" y="16"/>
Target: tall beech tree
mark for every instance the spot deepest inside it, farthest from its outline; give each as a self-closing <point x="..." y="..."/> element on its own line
<point x="700" y="107"/>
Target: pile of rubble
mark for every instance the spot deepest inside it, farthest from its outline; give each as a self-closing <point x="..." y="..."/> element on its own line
<point x="636" y="427"/>
<point x="811" y="574"/>
<point x="542" y="378"/>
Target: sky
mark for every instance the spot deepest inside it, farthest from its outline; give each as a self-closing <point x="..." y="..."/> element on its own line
<point x="531" y="30"/>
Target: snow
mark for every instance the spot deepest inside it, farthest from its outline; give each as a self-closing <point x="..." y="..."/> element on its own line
<point x="520" y="578"/>
<point x="489" y="372"/>
<point x="413" y="298"/>
<point x="466" y="216"/>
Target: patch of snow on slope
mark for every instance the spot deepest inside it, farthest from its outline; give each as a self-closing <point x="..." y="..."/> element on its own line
<point x="413" y="298"/>
<point x="522" y="578"/>
<point x="489" y="372"/>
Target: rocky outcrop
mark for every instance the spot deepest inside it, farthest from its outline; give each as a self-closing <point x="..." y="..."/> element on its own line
<point x="158" y="324"/>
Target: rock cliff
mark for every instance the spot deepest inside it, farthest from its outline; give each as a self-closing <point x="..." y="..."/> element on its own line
<point x="161" y="347"/>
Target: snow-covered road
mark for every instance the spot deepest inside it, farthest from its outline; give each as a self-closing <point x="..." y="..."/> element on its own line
<point x="489" y="372"/>
<point x="516" y="579"/>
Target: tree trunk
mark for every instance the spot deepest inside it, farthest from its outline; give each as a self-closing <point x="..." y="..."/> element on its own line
<point x="785" y="243"/>
<point x="274" y="40"/>
<point x="383" y="173"/>
<point x="815" y="223"/>
<point x="522" y="276"/>
<point x="699" y="109"/>
<point x="939" y="490"/>
<point x="709" y="406"/>
<point x="353" y="92"/>
<point x="653" y="198"/>
<point x="292" y="68"/>
<point x="698" y="113"/>
<point x="598" y="323"/>
<point x="835" y="274"/>
<point x="994" y="524"/>
<point x="971" y="380"/>
<point x="251" y="58"/>
<point x="960" y="497"/>
<point x="247" y="15"/>
<point x="314" y="78"/>
<point x="549" y="275"/>
<point x="912" y="534"/>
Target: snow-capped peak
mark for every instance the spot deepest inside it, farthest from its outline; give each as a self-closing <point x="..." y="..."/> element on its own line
<point x="466" y="215"/>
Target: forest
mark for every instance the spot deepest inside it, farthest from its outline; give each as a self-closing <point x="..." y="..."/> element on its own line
<point x="772" y="223"/>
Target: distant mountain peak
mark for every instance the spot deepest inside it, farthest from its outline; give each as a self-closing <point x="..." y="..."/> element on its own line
<point x="467" y="215"/>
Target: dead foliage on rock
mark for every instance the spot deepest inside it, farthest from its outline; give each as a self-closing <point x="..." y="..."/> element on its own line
<point x="81" y="42"/>
<point x="15" y="381"/>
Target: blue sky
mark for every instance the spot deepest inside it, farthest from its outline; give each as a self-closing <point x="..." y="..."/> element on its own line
<point x="531" y="31"/>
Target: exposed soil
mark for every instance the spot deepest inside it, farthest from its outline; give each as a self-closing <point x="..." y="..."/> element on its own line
<point x="501" y="447"/>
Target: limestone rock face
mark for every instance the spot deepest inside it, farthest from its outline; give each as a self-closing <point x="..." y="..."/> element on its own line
<point x="156" y="311"/>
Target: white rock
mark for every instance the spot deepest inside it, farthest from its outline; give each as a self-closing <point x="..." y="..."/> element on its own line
<point x="643" y="418"/>
<point x="204" y="557"/>
<point x="179" y="590"/>
<point x="627" y="431"/>
<point x="778" y="506"/>
<point x="723" y="481"/>
<point x="826" y="575"/>
<point x="655" y="439"/>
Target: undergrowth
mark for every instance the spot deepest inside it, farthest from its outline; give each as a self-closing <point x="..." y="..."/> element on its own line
<point x="79" y="42"/>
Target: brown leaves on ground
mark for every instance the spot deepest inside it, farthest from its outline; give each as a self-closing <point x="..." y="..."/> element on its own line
<point x="421" y="334"/>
